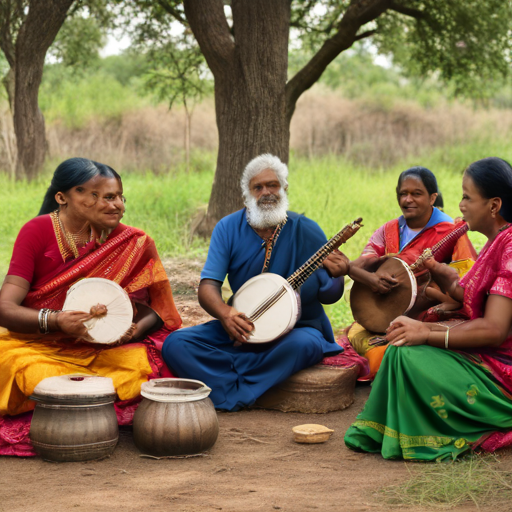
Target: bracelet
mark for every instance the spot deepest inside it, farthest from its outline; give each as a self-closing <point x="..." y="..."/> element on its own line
<point x="40" y="320"/>
<point x="43" y="317"/>
<point x="446" y="338"/>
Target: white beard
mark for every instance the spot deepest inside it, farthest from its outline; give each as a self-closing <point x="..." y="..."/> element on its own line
<point x="266" y="214"/>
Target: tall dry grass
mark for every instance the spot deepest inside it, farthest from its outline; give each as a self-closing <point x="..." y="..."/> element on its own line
<point x="368" y="132"/>
<point x="149" y="138"/>
<point x="375" y="133"/>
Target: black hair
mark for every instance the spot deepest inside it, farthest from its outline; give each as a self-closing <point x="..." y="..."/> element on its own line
<point x="71" y="173"/>
<point x="424" y="175"/>
<point x="493" y="178"/>
<point x="439" y="202"/>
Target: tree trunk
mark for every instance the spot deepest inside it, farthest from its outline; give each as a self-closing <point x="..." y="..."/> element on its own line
<point x="36" y="34"/>
<point x="29" y="122"/>
<point x="250" y="79"/>
<point x="8" y="82"/>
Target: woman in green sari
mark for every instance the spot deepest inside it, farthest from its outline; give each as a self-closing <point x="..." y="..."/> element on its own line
<point x="446" y="388"/>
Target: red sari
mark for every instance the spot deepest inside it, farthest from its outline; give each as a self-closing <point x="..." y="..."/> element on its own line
<point x="129" y="258"/>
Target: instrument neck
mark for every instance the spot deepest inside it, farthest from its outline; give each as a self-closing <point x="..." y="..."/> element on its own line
<point x="299" y="277"/>
<point x="444" y="247"/>
<point x="448" y="242"/>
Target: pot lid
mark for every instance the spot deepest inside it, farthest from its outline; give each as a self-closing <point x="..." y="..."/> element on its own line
<point x="174" y="390"/>
<point x="75" y="385"/>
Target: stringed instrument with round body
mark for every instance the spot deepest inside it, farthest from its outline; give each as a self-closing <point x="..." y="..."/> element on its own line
<point x="272" y="303"/>
<point x="375" y="311"/>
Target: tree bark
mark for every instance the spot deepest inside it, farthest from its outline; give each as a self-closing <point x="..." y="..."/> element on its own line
<point x="8" y="83"/>
<point x="36" y="34"/>
<point x="250" y="76"/>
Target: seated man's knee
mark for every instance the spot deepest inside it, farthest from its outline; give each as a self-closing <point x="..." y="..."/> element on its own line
<point x="174" y="343"/>
<point x="307" y="340"/>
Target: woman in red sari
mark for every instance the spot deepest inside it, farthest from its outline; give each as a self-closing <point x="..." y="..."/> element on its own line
<point x="421" y="226"/>
<point x="446" y="388"/>
<point x="78" y="234"/>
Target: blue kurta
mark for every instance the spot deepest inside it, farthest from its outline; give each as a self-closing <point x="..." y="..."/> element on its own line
<point x="239" y="375"/>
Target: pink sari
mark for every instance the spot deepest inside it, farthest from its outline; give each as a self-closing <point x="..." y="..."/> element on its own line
<point x="491" y="275"/>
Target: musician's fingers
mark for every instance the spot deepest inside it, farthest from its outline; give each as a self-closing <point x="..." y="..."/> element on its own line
<point x="244" y="324"/>
<point x="393" y="325"/>
<point x="239" y="333"/>
<point x="248" y="323"/>
<point x="388" y="278"/>
<point x="399" y="343"/>
<point x="396" y="335"/>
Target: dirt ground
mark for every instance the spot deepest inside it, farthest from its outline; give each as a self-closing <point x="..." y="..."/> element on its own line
<point x="254" y="466"/>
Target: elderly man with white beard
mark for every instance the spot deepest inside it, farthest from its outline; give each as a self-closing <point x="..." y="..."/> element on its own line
<point x="262" y="237"/>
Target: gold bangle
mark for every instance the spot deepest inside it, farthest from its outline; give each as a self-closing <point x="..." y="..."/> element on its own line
<point x="446" y="338"/>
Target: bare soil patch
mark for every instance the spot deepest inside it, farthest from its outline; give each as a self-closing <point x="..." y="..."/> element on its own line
<point x="254" y="466"/>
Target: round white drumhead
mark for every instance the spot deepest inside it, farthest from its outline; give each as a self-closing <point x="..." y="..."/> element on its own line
<point x="75" y="385"/>
<point x="279" y="318"/>
<point x="95" y="290"/>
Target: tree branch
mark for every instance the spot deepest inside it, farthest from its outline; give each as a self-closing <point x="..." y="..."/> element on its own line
<point x="357" y="14"/>
<point x="408" y="11"/>
<point x="211" y="30"/>
<point x="167" y="7"/>
<point x="363" y="35"/>
<point x="9" y="18"/>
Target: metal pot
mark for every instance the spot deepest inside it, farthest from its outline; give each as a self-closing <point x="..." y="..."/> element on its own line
<point x="74" y="419"/>
<point x="176" y="417"/>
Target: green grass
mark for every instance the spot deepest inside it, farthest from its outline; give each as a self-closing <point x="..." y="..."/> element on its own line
<point x="476" y="479"/>
<point x="330" y="190"/>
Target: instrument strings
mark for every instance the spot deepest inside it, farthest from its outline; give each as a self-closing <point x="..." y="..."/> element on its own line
<point x="300" y="276"/>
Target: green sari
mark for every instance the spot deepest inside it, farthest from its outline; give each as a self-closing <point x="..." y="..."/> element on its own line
<point x="429" y="403"/>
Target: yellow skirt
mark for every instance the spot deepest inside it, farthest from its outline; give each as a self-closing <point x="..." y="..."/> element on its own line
<point x="27" y="359"/>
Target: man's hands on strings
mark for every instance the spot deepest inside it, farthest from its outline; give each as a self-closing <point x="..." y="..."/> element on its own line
<point x="235" y="323"/>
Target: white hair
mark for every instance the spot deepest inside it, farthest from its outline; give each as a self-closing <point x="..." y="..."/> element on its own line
<point x="260" y="164"/>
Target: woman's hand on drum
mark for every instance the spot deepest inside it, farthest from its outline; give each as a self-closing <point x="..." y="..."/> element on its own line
<point x="237" y="325"/>
<point x="381" y="283"/>
<point x="337" y="264"/>
<point x="72" y="323"/>
<point x="404" y="331"/>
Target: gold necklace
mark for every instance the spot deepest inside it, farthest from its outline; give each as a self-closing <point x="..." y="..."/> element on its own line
<point x="78" y="239"/>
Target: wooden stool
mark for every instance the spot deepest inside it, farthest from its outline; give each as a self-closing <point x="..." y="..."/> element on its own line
<point x="318" y="389"/>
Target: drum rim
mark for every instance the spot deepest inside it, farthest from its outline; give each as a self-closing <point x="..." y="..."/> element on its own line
<point x="414" y="284"/>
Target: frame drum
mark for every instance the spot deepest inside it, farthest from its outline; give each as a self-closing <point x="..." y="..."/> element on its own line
<point x="278" y="319"/>
<point x="375" y="311"/>
<point x="86" y="293"/>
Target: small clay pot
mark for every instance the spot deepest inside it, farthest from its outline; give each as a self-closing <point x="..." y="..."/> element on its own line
<point x="176" y="417"/>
